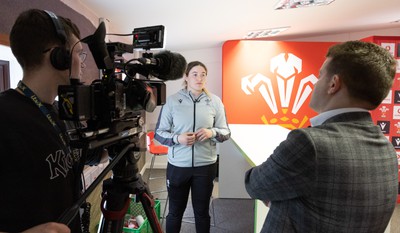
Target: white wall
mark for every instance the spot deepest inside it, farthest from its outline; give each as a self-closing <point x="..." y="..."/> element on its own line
<point x="15" y="68"/>
<point x="353" y="35"/>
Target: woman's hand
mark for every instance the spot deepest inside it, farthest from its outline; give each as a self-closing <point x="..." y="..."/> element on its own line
<point x="187" y="139"/>
<point x="203" y="134"/>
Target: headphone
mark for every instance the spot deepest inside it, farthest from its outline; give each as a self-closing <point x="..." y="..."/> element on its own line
<point x="60" y="57"/>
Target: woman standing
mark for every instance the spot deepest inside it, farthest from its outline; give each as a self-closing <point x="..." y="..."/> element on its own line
<point x="191" y="123"/>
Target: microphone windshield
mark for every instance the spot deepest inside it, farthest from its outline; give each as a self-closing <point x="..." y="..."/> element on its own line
<point x="171" y="66"/>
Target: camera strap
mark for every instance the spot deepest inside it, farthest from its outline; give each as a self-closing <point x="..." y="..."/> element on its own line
<point x="29" y="93"/>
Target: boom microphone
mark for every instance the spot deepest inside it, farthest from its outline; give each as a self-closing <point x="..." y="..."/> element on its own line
<point x="166" y="65"/>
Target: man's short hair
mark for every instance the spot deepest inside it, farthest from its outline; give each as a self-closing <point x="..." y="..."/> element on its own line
<point x="367" y="69"/>
<point x="33" y="33"/>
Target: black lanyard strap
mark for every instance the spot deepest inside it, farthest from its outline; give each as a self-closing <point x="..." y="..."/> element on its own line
<point x="29" y="93"/>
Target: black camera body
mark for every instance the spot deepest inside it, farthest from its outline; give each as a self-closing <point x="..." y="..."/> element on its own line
<point x="111" y="108"/>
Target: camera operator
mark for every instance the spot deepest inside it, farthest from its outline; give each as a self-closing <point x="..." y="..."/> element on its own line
<point x="39" y="172"/>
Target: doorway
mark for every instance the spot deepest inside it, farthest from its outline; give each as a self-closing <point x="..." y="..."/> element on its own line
<point x="4" y="75"/>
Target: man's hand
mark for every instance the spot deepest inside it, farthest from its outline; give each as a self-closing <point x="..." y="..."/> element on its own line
<point x="50" y="227"/>
<point x="267" y="203"/>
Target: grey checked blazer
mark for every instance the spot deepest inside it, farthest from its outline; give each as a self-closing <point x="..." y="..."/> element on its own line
<point x="341" y="176"/>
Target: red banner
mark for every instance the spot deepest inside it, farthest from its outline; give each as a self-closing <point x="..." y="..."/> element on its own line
<point x="270" y="82"/>
<point x="387" y="115"/>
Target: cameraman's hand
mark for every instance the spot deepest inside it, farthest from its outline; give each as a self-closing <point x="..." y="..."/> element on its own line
<point x="203" y="134"/>
<point x="187" y="139"/>
<point x="50" y="227"/>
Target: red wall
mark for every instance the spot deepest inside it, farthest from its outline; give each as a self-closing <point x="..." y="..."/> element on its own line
<point x="387" y="115"/>
<point x="259" y="67"/>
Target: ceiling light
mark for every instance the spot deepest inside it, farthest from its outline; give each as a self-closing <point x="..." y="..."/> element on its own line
<point x="264" y="33"/>
<point x="287" y="4"/>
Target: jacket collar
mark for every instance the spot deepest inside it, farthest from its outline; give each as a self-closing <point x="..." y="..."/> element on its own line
<point x="325" y="116"/>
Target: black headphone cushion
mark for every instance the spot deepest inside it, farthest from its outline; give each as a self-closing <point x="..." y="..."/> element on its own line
<point x="60" y="58"/>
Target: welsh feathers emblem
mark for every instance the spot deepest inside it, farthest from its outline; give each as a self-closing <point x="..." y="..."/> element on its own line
<point x="286" y="68"/>
<point x="271" y="82"/>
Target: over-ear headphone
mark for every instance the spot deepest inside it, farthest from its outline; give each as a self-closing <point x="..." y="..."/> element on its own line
<point x="60" y="56"/>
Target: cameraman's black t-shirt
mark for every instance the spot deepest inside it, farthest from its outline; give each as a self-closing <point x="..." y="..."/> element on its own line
<point x="37" y="179"/>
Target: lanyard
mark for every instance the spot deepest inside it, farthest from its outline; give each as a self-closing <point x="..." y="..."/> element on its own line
<point x="29" y="93"/>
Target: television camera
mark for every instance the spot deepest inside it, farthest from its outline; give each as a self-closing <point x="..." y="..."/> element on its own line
<point x="108" y="115"/>
<point x="111" y="105"/>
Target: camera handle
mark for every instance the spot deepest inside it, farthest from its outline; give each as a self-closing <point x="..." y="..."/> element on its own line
<point x="115" y="199"/>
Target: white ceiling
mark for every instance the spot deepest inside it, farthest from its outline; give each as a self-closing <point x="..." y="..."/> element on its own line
<point x="208" y="23"/>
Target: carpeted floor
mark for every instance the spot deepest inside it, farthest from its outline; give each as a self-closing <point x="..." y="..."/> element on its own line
<point x="231" y="215"/>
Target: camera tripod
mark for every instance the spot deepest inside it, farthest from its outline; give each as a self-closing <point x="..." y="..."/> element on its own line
<point x="126" y="180"/>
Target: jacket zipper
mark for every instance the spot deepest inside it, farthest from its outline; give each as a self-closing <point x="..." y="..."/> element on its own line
<point x="194" y="121"/>
<point x="194" y="126"/>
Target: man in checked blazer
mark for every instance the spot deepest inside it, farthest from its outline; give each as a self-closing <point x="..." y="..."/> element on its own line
<point x="341" y="174"/>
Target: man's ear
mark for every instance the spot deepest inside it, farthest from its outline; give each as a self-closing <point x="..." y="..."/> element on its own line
<point x="335" y="84"/>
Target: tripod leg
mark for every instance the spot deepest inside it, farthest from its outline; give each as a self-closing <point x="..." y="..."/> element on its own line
<point x="113" y="206"/>
<point x="126" y="180"/>
<point x="148" y="206"/>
